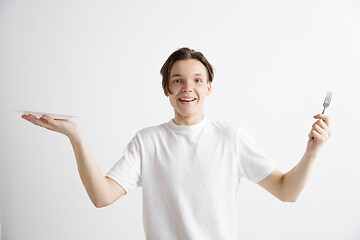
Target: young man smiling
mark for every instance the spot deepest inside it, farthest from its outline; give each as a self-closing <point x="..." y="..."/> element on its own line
<point x="189" y="85"/>
<point x="190" y="167"/>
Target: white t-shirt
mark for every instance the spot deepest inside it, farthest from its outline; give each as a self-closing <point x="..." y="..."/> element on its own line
<point x="190" y="177"/>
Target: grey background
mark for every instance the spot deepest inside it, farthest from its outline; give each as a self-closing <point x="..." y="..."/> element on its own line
<point x="274" y="62"/>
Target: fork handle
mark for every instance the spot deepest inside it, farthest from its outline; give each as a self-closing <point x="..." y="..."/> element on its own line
<point x="321" y="113"/>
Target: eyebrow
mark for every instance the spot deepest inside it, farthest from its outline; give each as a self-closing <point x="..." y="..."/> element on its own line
<point x="179" y="75"/>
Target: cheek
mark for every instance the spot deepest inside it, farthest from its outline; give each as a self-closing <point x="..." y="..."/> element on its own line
<point x="172" y="99"/>
<point x="201" y="90"/>
<point x="174" y="89"/>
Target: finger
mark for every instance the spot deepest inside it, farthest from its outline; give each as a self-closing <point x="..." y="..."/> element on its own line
<point x="30" y="118"/>
<point x="317" y="136"/>
<point x="49" y="121"/>
<point x="321" y="131"/>
<point x="325" y="118"/>
<point x="39" y="122"/>
<point x="321" y="123"/>
<point x="47" y="118"/>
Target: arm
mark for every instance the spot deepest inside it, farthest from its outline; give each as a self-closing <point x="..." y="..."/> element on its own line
<point x="287" y="187"/>
<point x="102" y="191"/>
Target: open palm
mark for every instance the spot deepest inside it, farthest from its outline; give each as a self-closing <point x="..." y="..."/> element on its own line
<point x="63" y="126"/>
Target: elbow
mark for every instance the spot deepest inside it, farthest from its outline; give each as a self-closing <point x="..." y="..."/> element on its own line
<point x="100" y="204"/>
<point x="289" y="199"/>
<point x="97" y="205"/>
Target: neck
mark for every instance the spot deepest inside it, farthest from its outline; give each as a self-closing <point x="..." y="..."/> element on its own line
<point x="187" y="121"/>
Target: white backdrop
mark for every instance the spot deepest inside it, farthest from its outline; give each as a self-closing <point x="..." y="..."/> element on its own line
<point x="101" y="60"/>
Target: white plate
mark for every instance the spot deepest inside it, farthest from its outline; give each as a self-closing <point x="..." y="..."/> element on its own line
<point x="52" y="115"/>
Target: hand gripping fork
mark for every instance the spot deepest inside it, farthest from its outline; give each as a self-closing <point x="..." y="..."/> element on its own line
<point x="326" y="102"/>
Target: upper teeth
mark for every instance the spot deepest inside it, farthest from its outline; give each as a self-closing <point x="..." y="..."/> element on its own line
<point x="187" y="99"/>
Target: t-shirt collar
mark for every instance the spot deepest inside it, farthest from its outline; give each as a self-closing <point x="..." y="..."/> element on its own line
<point x="188" y="128"/>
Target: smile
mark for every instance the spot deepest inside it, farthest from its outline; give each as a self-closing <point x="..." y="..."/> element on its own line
<point x="187" y="99"/>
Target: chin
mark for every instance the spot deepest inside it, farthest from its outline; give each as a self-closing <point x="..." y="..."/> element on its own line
<point x="185" y="113"/>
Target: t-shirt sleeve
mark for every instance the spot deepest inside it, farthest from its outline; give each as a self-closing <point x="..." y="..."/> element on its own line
<point x="127" y="171"/>
<point x="253" y="163"/>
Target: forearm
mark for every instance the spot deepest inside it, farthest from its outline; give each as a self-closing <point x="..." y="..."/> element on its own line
<point x="294" y="181"/>
<point x="91" y="176"/>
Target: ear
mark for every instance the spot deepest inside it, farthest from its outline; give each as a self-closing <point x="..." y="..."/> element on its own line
<point x="209" y="89"/>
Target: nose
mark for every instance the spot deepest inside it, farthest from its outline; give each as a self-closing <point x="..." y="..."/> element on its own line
<point x="187" y="87"/>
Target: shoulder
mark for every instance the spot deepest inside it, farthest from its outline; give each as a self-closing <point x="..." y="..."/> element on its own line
<point x="224" y="128"/>
<point x="234" y="129"/>
<point x="227" y="125"/>
<point x="151" y="131"/>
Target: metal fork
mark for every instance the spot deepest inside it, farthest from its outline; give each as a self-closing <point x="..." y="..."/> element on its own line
<point x="327" y="101"/>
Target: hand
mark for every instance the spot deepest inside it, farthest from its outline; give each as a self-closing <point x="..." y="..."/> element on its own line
<point x="63" y="126"/>
<point x="320" y="132"/>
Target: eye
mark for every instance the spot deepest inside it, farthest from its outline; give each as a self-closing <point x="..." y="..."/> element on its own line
<point x="198" y="80"/>
<point x="177" y="80"/>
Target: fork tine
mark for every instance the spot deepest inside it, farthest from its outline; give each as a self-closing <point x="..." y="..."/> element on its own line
<point x="328" y="97"/>
<point x="327" y="100"/>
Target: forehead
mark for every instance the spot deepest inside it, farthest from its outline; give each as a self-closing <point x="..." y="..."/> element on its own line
<point x="188" y="67"/>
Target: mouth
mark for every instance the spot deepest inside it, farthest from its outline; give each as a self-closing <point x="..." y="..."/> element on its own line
<point x="187" y="100"/>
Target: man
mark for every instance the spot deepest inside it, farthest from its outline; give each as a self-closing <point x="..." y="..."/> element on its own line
<point x="190" y="167"/>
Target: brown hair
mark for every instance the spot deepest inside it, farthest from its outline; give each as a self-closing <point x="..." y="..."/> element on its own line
<point x="183" y="54"/>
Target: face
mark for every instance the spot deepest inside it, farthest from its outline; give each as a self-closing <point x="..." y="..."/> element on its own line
<point x="189" y="86"/>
